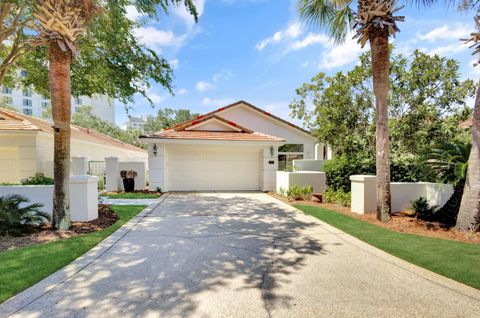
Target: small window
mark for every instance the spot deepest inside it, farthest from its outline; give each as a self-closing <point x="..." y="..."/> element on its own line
<point x="45" y="105"/>
<point x="78" y="101"/>
<point x="27" y="102"/>
<point x="7" y="90"/>
<point x="287" y="153"/>
<point x="27" y="111"/>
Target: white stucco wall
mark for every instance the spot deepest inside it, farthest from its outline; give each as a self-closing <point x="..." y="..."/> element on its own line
<point x="254" y="120"/>
<point x="35" y="193"/>
<point x="301" y="178"/>
<point x="364" y="194"/>
<point x="308" y="165"/>
<point x="17" y="156"/>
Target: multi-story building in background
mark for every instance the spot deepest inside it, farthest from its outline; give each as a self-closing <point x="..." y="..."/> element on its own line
<point x="30" y="103"/>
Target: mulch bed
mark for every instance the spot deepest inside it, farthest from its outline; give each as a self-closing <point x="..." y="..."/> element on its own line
<point x="400" y="222"/>
<point x="106" y="218"/>
<point x="135" y="191"/>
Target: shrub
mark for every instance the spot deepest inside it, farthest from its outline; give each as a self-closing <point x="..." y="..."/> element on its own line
<point x="296" y="192"/>
<point x="101" y="183"/>
<point x="339" y="169"/>
<point x="38" y="179"/>
<point x="423" y="210"/>
<point x="338" y="197"/>
<point x="13" y="217"/>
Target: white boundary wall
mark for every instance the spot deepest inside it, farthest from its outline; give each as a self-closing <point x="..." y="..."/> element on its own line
<point x="112" y="174"/>
<point x="364" y="194"/>
<point x="301" y="178"/>
<point x="83" y="196"/>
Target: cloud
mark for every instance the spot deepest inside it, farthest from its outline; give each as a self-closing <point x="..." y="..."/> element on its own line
<point x="156" y="99"/>
<point x="222" y="75"/>
<point x="174" y="63"/>
<point x="292" y="31"/>
<point x="340" y="55"/>
<point x="310" y="39"/>
<point x="447" y="49"/>
<point x="203" y="86"/>
<point x="187" y="18"/>
<point x="157" y="39"/>
<point x="132" y="13"/>
<point x="455" y="31"/>
<point x="217" y="102"/>
<point x="182" y="91"/>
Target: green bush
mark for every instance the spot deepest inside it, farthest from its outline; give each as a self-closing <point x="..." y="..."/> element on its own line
<point x="339" y="169"/>
<point x="38" y="179"/>
<point x="296" y="192"/>
<point x="101" y="183"/>
<point x="423" y="210"/>
<point x="338" y="197"/>
<point x="13" y="218"/>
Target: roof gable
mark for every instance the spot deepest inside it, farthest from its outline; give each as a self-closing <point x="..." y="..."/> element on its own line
<point x="211" y="123"/>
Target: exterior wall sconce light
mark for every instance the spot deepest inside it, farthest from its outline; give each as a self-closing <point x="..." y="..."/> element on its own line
<point x="272" y="151"/>
<point x="155" y="149"/>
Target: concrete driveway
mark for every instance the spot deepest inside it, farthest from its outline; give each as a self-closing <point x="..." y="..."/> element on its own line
<point x="239" y="255"/>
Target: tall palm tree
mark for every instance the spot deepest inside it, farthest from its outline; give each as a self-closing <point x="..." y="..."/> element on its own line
<point x="373" y="22"/>
<point x="60" y="24"/>
<point x="469" y="214"/>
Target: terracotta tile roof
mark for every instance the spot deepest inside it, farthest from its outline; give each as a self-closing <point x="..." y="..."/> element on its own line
<point x="240" y="133"/>
<point x="212" y="135"/>
<point x="195" y="122"/>
<point x="467" y="123"/>
<point x="254" y="108"/>
<point x="13" y="121"/>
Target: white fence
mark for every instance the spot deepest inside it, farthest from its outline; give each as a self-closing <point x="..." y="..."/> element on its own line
<point x="364" y="194"/>
<point x="83" y="196"/>
<point x="301" y="178"/>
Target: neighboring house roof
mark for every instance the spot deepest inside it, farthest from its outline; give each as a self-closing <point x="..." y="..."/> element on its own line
<point x="13" y="121"/>
<point x="187" y="131"/>
<point x="241" y="102"/>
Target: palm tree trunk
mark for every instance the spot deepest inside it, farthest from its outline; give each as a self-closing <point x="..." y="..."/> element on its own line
<point x="469" y="214"/>
<point x="380" y="72"/>
<point x="59" y="76"/>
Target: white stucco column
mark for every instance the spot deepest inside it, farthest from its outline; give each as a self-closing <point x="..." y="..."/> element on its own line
<point x="269" y="159"/>
<point x="112" y="174"/>
<point x="364" y="194"/>
<point x="79" y="166"/>
<point x="157" y="171"/>
<point x="84" y="198"/>
<point x="319" y="151"/>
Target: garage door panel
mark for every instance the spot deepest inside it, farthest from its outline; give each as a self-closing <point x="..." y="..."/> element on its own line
<point x="210" y="168"/>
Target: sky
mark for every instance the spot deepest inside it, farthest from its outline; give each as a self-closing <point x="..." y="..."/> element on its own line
<point x="259" y="51"/>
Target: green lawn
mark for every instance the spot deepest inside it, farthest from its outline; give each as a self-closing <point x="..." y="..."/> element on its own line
<point x="23" y="267"/>
<point x="456" y="260"/>
<point x="132" y="195"/>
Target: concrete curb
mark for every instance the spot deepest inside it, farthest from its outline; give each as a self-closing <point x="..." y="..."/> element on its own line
<point x="400" y="263"/>
<point x="31" y="294"/>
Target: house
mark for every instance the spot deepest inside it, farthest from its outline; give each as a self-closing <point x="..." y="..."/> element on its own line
<point x="236" y="147"/>
<point x="26" y="146"/>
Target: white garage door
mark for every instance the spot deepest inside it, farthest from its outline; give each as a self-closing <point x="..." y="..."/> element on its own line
<point x="213" y="168"/>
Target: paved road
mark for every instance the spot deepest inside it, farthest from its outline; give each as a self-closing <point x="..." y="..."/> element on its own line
<point x="240" y="255"/>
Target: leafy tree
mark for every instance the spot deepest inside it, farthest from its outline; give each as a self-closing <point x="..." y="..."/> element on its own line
<point x="61" y="27"/>
<point x="427" y="103"/>
<point x="168" y="117"/>
<point x="373" y="22"/>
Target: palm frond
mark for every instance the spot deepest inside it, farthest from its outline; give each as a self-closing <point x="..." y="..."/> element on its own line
<point x="335" y="17"/>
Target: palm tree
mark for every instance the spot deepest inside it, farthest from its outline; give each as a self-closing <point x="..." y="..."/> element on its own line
<point x="374" y="22"/>
<point x="60" y="25"/>
<point x="449" y="162"/>
<point x="469" y="214"/>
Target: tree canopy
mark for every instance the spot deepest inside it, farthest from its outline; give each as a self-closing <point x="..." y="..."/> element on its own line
<point x="427" y="103"/>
